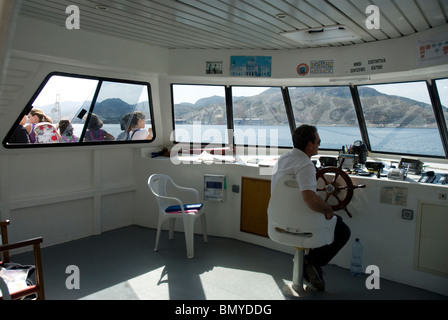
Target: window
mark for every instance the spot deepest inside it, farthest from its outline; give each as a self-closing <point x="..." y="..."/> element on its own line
<point x="400" y="118"/>
<point x="442" y="88"/>
<point x="199" y="114"/>
<point x="71" y="110"/>
<point x="259" y="117"/>
<point x="331" y="110"/>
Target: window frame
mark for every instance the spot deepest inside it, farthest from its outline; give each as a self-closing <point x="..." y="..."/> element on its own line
<point x="202" y="144"/>
<point x="282" y="89"/>
<point x="354" y="105"/>
<point x="432" y="91"/>
<point x="230" y="117"/>
<point x="436" y="108"/>
<point x="436" y="102"/>
<point x="28" y="107"/>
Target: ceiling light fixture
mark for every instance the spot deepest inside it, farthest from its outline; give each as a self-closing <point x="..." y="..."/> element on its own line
<point x="322" y="35"/>
<point x="281" y="16"/>
<point x="102" y="7"/>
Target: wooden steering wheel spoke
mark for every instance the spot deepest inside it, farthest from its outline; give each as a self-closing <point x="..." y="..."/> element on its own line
<point x="339" y="200"/>
<point x="336" y="175"/>
<point x="334" y="188"/>
<point x="325" y="180"/>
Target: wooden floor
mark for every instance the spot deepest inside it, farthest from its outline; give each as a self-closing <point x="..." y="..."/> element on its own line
<point x="122" y="265"/>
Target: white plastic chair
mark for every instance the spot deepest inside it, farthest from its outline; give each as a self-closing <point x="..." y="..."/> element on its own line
<point x="172" y="208"/>
<point x="292" y="223"/>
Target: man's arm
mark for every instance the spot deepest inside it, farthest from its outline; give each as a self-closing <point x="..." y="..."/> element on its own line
<point x="316" y="203"/>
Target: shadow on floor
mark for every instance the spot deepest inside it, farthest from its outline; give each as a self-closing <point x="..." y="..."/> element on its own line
<point x="122" y="265"/>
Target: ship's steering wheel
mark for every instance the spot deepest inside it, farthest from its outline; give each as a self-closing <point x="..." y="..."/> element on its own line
<point x="338" y="187"/>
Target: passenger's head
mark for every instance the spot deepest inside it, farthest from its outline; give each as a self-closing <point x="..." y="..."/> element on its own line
<point x="124" y="122"/>
<point x="136" y="117"/>
<point x="37" y="115"/>
<point x="95" y="123"/>
<point x="65" y="127"/>
<point x="307" y="139"/>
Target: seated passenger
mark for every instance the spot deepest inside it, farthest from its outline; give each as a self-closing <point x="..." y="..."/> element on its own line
<point x="125" y="126"/>
<point x="20" y="134"/>
<point x="34" y="117"/>
<point x="137" y="128"/>
<point x="66" y="131"/>
<point x="95" y="133"/>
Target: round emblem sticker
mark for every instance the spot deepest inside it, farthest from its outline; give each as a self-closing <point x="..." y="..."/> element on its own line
<point x="303" y="69"/>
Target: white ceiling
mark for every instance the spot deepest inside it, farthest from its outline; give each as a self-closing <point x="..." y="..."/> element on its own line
<point x="238" y="24"/>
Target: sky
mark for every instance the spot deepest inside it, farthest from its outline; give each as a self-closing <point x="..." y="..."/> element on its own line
<point x="81" y="90"/>
<point x="191" y="94"/>
<point x="185" y="93"/>
<point x="68" y="89"/>
<point x="442" y="88"/>
<point x="413" y="90"/>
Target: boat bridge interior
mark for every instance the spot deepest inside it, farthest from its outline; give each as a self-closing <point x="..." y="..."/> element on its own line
<point x="220" y="86"/>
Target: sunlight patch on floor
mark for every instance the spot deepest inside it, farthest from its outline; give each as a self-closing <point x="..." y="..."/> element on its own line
<point x="152" y="285"/>
<point x="235" y="284"/>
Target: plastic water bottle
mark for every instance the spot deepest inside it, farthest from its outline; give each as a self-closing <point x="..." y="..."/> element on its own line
<point x="356" y="266"/>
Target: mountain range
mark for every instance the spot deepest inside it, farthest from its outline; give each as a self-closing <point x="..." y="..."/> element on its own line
<point x="325" y="106"/>
<point x="109" y="110"/>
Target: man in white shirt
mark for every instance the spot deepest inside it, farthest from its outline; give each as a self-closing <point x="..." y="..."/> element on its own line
<point x="298" y="162"/>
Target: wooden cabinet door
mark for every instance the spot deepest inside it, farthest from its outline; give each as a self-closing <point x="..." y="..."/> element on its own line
<point x="255" y="195"/>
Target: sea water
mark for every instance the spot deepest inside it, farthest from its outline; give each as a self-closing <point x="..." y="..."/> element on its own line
<point x="421" y="141"/>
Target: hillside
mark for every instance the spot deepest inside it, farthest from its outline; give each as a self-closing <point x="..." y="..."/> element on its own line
<point x="109" y="110"/>
<point x="325" y="106"/>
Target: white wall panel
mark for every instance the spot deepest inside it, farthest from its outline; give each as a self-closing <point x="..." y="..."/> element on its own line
<point x="56" y="223"/>
<point x="117" y="166"/>
<point x="432" y="238"/>
<point x="117" y="210"/>
<point x="399" y="54"/>
<point x="39" y="174"/>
